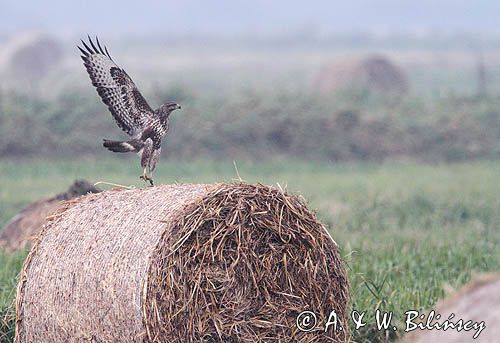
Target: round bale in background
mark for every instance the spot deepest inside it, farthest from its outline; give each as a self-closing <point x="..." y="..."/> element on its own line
<point x="182" y="263"/>
<point x="374" y="74"/>
<point x="25" y="226"/>
<point x="476" y="305"/>
<point x="28" y="57"/>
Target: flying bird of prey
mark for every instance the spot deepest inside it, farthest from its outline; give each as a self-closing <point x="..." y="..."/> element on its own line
<point x="132" y="113"/>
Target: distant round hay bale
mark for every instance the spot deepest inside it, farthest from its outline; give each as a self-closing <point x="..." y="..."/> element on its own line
<point x="182" y="263"/>
<point x="373" y="74"/>
<point x="477" y="301"/>
<point x="30" y="56"/>
<point x="27" y="224"/>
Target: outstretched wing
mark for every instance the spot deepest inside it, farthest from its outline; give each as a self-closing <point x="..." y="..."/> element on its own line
<point x="116" y="89"/>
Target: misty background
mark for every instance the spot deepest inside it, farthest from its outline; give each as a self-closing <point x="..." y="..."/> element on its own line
<point x="322" y="79"/>
<point x="230" y="18"/>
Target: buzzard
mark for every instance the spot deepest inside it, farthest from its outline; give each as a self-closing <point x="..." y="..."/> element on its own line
<point x="145" y="126"/>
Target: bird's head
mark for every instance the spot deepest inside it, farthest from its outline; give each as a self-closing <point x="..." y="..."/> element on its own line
<point x="168" y="108"/>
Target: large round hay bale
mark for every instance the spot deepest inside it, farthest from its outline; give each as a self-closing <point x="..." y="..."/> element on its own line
<point x="376" y="74"/>
<point x="182" y="263"/>
<point x="478" y="302"/>
<point x="24" y="227"/>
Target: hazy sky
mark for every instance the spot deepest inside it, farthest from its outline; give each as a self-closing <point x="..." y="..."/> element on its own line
<point x="236" y="16"/>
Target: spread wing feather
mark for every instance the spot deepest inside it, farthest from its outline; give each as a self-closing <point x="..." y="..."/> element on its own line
<point x="116" y="89"/>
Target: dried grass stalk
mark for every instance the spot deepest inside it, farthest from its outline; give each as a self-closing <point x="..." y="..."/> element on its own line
<point x="182" y="263"/>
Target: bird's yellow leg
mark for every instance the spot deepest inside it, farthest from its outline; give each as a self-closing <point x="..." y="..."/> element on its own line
<point x="144" y="176"/>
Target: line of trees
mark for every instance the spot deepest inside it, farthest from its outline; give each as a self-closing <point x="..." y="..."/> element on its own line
<point x="348" y="127"/>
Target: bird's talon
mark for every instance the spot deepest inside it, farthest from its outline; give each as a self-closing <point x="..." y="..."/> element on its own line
<point x="147" y="178"/>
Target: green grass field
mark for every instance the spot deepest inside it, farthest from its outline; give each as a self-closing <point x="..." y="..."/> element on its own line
<point x="407" y="231"/>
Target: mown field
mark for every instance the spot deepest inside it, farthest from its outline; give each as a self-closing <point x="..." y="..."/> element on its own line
<point x="408" y="232"/>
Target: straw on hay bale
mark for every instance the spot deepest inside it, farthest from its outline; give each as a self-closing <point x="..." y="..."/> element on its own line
<point x="372" y="73"/>
<point x="477" y="301"/>
<point x="27" y="224"/>
<point x="182" y="263"/>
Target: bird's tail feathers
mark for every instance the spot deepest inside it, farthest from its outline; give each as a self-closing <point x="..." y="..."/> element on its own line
<point x="116" y="146"/>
